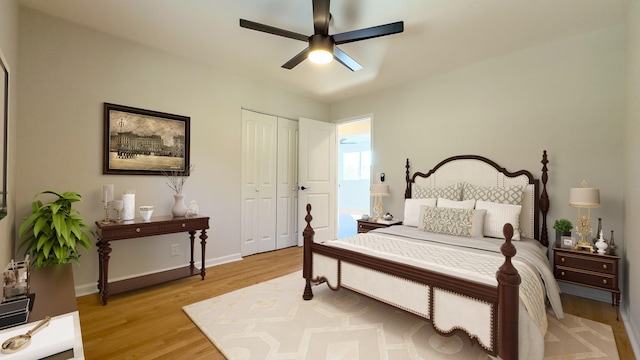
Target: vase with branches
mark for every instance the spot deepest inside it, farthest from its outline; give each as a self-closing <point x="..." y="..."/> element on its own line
<point x="175" y="181"/>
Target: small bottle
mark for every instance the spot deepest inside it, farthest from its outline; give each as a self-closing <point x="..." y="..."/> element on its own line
<point x="595" y="238"/>
<point x="612" y="245"/>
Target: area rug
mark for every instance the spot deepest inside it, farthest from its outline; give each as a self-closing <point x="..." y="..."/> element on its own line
<point x="271" y="321"/>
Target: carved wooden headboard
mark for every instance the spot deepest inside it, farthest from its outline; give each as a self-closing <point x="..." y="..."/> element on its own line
<point x="481" y="171"/>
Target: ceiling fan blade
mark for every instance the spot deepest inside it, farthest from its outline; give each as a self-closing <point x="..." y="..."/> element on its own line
<point x="369" y="33"/>
<point x="321" y="17"/>
<point x="345" y="59"/>
<point x="296" y="59"/>
<point x="272" y="30"/>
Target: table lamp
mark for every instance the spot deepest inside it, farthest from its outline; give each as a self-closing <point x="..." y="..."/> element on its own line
<point x="378" y="191"/>
<point x="584" y="198"/>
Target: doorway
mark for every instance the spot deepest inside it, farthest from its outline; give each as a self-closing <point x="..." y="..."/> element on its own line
<point x="354" y="174"/>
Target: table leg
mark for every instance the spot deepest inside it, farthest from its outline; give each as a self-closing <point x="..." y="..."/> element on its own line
<point x="99" y="246"/>
<point x="105" y="250"/>
<point x="192" y="236"/>
<point x="203" y="244"/>
<point x="617" y="296"/>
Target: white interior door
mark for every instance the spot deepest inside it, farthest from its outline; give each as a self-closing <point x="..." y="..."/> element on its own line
<point x="259" y="186"/>
<point x="317" y="177"/>
<point x="287" y="194"/>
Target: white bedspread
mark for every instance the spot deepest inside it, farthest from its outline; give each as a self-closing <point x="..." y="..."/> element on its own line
<point x="469" y="258"/>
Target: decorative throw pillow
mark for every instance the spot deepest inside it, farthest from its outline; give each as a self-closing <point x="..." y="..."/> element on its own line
<point x="464" y="204"/>
<point x="412" y="210"/>
<point x="497" y="215"/>
<point x="451" y="192"/>
<point x="502" y="195"/>
<point x="459" y="222"/>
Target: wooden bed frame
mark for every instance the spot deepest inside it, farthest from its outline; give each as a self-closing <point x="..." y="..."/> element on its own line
<point x="504" y="297"/>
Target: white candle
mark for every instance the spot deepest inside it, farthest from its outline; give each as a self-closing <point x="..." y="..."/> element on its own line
<point x="129" y="205"/>
<point x="107" y="192"/>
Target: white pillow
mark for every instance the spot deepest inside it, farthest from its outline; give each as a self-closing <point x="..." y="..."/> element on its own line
<point x="497" y="215"/>
<point x="412" y="210"/>
<point x="452" y="204"/>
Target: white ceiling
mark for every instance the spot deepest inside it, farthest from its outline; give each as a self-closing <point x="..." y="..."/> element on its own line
<point x="439" y="35"/>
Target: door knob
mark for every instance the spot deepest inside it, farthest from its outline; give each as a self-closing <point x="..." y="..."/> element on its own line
<point x="304" y="188"/>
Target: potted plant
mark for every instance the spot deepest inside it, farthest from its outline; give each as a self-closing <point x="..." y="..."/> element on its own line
<point x="563" y="227"/>
<point x="53" y="232"/>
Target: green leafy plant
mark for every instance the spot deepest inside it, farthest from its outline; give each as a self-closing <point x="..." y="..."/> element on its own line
<point x="54" y="231"/>
<point x="563" y="225"/>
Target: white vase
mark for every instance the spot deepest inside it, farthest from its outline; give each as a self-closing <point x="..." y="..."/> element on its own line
<point x="601" y="245"/>
<point x="179" y="208"/>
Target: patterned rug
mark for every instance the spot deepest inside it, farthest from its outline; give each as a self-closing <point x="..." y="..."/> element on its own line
<point x="271" y="321"/>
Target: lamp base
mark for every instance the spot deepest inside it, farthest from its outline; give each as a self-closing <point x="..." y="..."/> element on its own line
<point x="584" y="245"/>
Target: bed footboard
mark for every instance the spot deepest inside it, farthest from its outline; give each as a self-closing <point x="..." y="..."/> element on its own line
<point x="505" y="296"/>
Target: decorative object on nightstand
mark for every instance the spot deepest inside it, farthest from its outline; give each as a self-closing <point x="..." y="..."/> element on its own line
<point x="584" y="198"/>
<point x="586" y="269"/>
<point x="378" y="191"/>
<point x="563" y="229"/>
<point x="601" y="245"/>
<point x="597" y="234"/>
<point x="613" y="248"/>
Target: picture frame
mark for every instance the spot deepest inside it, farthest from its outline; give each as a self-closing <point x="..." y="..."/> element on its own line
<point x="4" y="131"/>
<point x="567" y="242"/>
<point x="145" y="142"/>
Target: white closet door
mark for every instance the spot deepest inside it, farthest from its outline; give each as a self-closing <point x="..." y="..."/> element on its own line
<point x="317" y="178"/>
<point x="259" y="186"/>
<point x="287" y="226"/>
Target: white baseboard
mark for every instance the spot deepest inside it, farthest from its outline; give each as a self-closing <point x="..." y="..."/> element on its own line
<point x="92" y="288"/>
<point x="632" y="333"/>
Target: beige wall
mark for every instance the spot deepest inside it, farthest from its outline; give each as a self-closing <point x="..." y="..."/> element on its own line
<point x="632" y="165"/>
<point x="567" y="97"/>
<point x="68" y="71"/>
<point x="9" y="48"/>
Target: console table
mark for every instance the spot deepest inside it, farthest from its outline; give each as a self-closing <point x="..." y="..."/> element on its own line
<point x="127" y="230"/>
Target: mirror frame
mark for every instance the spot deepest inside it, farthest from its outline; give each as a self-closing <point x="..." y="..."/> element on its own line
<point x="4" y="108"/>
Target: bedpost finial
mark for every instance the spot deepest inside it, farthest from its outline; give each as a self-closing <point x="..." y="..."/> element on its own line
<point x="507" y="230"/>
<point x="308" y="217"/>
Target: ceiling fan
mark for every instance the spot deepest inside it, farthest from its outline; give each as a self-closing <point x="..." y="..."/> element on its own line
<point x="322" y="46"/>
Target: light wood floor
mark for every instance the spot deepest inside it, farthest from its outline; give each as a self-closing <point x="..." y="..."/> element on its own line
<point x="150" y="323"/>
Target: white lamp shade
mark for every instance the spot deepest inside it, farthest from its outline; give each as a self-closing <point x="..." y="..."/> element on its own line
<point x="584" y="197"/>
<point x="379" y="190"/>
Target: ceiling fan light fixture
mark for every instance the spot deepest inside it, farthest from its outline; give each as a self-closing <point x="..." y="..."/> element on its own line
<point x="320" y="56"/>
<point x="320" y="49"/>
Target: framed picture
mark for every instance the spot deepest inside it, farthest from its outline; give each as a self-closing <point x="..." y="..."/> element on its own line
<point x="567" y="242"/>
<point x="144" y="142"/>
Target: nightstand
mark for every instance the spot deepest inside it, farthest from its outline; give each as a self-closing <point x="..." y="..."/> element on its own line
<point x="365" y="226"/>
<point x="588" y="269"/>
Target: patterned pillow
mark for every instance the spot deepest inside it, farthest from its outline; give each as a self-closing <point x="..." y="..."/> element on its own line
<point x="502" y="195"/>
<point x="450" y="221"/>
<point x="451" y="192"/>
<point x="497" y="215"/>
